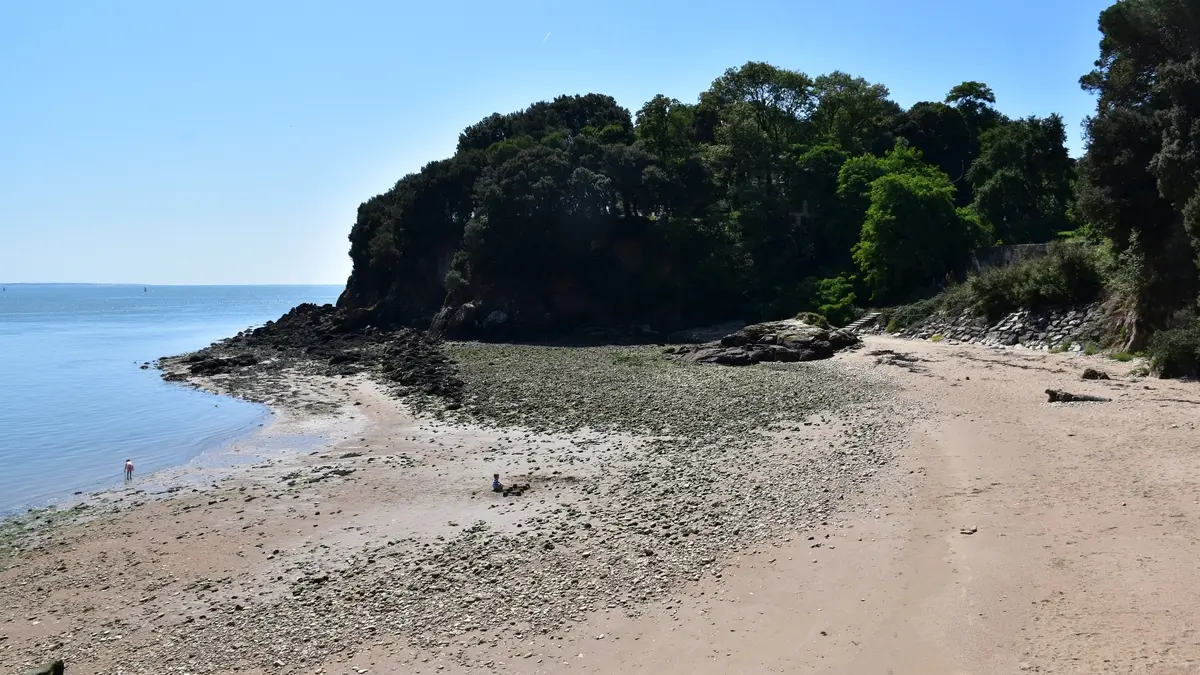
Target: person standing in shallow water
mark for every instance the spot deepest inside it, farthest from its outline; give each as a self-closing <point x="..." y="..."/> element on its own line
<point x="129" y="469"/>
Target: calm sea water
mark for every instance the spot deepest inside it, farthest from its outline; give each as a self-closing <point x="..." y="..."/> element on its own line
<point x="74" y="403"/>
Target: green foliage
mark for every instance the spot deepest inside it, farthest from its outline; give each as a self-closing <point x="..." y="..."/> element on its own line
<point x="1022" y="179"/>
<point x="902" y="316"/>
<point x="813" y="319"/>
<point x="774" y="191"/>
<point x="1123" y="357"/>
<point x="1091" y="349"/>
<point x="937" y="338"/>
<point x="1138" y="182"/>
<point x="912" y="236"/>
<point x="1070" y="274"/>
<point x="835" y="299"/>
<point x="941" y="134"/>
<point x="1176" y="352"/>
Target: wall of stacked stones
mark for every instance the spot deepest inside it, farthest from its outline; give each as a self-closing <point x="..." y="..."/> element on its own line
<point x="1041" y="329"/>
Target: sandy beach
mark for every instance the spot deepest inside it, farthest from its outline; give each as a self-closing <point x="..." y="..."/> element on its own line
<point x="907" y="507"/>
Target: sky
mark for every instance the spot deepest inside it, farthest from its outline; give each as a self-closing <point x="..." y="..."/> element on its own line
<point x="231" y="142"/>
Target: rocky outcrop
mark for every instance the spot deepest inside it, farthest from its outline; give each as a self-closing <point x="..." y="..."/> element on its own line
<point x="1069" y="328"/>
<point x="330" y="342"/>
<point x="775" y="341"/>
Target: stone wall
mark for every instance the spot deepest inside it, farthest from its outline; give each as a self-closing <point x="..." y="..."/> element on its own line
<point x="1003" y="256"/>
<point x="1042" y="329"/>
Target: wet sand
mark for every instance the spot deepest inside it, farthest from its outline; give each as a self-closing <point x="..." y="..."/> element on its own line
<point x="976" y="529"/>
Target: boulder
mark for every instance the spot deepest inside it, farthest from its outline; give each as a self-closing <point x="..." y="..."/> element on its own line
<point x="1093" y="374"/>
<point x="774" y="341"/>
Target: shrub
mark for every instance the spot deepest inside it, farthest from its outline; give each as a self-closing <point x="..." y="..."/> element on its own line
<point x="899" y="318"/>
<point x="1091" y="349"/>
<point x="1176" y="352"/>
<point x="1069" y="274"/>
<point x="937" y="338"/>
<point x="835" y="299"/>
<point x="1123" y="357"/>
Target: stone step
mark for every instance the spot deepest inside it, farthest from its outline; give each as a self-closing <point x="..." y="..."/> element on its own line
<point x="868" y="318"/>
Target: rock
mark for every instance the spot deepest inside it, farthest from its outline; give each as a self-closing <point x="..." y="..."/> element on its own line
<point x="1093" y="374"/>
<point x="775" y="341"/>
<point x="1060" y="396"/>
<point x="49" y="668"/>
<point x="970" y="529"/>
<point x="219" y="365"/>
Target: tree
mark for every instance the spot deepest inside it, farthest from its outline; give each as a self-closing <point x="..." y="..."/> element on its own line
<point x="1022" y="179"/>
<point x="664" y="126"/>
<point x="912" y="237"/>
<point x="1137" y="178"/>
<point x="778" y="101"/>
<point x="771" y="191"/>
<point x="975" y="100"/>
<point x="942" y="135"/>
<point x="850" y="111"/>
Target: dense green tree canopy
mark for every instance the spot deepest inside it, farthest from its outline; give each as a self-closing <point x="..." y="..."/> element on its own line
<point x="773" y="192"/>
<point x="1138" y="181"/>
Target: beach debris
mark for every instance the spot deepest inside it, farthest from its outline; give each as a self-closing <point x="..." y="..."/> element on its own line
<point x="1060" y="396"/>
<point x="970" y="529"/>
<point x="889" y="357"/>
<point x="1093" y="374"/>
<point x="516" y="490"/>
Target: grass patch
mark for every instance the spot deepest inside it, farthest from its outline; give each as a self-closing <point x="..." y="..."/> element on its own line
<point x="1123" y="357"/>
<point x="1064" y="346"/>
<point x="936" y="338"/>
<point x="1091" y="349"/>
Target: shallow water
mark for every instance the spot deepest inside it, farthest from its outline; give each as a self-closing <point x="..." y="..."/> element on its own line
<point x="74" y="402"/>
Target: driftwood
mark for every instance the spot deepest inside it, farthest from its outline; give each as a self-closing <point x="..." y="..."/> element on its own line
<point x="1060" y="396"/>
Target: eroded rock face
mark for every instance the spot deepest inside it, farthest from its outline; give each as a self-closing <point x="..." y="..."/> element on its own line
<point x="779" y="341"/>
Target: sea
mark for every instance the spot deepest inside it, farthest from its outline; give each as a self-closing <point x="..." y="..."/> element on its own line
<point x="75" y="401"/>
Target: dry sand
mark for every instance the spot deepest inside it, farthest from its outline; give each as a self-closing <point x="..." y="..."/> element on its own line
<point x="1005" y="535"/>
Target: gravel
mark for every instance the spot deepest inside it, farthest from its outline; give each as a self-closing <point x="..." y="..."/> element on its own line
<point x="671" y="467"/>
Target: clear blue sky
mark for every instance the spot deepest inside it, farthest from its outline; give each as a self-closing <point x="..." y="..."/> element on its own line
<point x="231" y="142"/>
